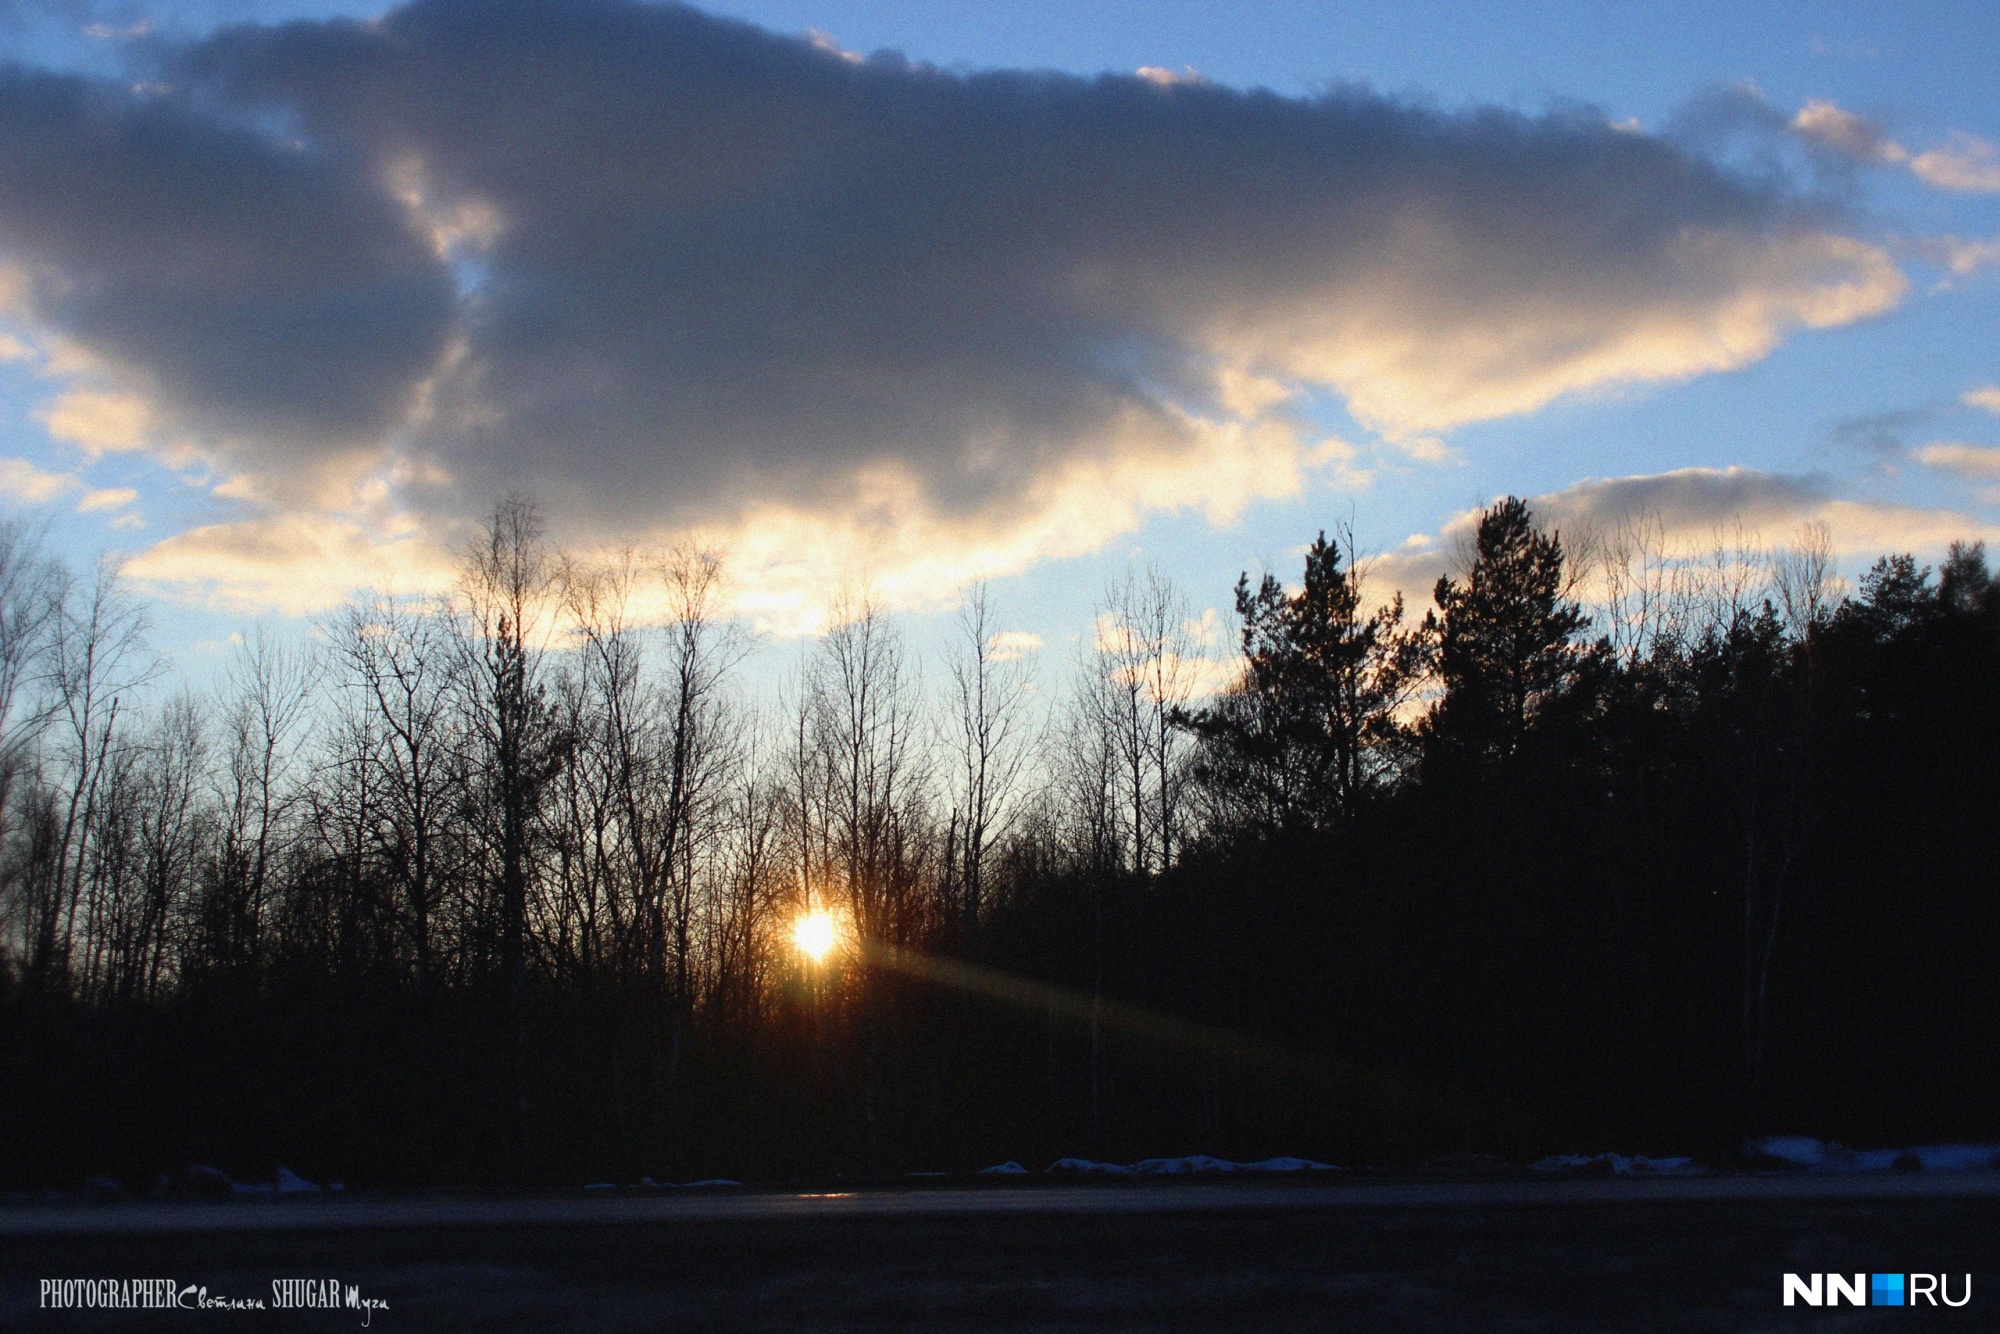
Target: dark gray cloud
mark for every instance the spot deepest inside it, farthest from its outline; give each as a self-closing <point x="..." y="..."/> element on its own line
<point x="1706" y="515"/>
<point x="1690" y="510"/>
<point x="1689" y="502"/>
<point x="1884" y="433"/>
<point x="661" y="265"/>
<point x="259" y="289"/>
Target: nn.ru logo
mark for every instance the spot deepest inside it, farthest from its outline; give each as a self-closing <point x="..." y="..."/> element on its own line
<point x="1873" y="1289"/>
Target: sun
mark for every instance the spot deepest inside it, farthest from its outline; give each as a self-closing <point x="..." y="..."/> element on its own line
<point x="813" y="933"/>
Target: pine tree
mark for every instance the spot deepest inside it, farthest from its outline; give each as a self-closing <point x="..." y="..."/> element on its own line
<point x="1312" y="727"/>
<point x="1506" y="640"/>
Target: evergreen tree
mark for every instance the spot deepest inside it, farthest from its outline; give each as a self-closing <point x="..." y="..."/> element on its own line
<point x="1312" y="727"/>
<point x="1506" y="640"/>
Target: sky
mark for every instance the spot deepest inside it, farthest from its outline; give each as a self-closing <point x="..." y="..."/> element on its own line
<point x="898" y="297"/>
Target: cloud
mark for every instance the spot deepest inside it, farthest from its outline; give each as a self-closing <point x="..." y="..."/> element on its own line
<point x="102" y="501"/>
<point x="786" y="560"/>
<point x="1969" y="164"/>
<point x="1978" y="461"/>
<point x="1009" y="645"/>
<point x="99" y="421"/>
<point x="1692" y="502"/>
<point x="1696" y="506"/>
<point x="293" y="563"/>
<point x="1696" y="510"/>
<point x="1961" y="256"/>
<point x="1882" y="432"/>
<point x="1829" y="126"/>
<point x="23" y="481"/>
<point x="1987" y="396"/>
<point x="241" y="285"/>
<point x="119" y="32"/>
<point x="674" y="273"/>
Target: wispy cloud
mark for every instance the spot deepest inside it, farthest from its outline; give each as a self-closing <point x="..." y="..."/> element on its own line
<point x="1009" y="645"/>
<point x="1884" y="432"/>
<point x="1967" y="163"/>
<point x="1987" y="396"/>
<point x="23" y="481"/>
<point x="1980" y="461"/>
<point x="293" y="563"/>
<point x="106" y="500"/>
<point x="1168" y="78"/>
<point x="99" y="421"/>
<point x="1963" y="257"/>
<point x="1832" y="127"/>
<point x="118" y="32"/>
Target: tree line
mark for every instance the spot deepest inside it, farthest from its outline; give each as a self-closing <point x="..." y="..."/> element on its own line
<point x="1617" y="845"/>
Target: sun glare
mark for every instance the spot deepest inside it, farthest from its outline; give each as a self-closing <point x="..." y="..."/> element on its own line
<point x="813" y="934"/>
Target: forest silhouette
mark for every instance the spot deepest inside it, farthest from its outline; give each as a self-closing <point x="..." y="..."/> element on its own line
<point x="1617" y="846"/>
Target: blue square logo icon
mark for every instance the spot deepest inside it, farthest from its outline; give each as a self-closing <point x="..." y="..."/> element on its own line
<point x="1885" y="1289"/>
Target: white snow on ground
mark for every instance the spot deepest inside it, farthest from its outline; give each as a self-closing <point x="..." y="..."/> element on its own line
<point x="1956" y="1157"/>
<point x="213" y="1179"/>
<point x="1797" y="1151"/>
<point x="1199" y="1163"/>
<point x="289" y="1182"/>
<point x="1286" y="1165"/>
<point x="206" y="1179"/>
<point x="1010" y="1168"/>
<point x="1820" y="1156"/>
<point x="1618" y="1164"/>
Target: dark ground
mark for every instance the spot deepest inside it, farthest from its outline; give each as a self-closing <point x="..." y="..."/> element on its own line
<point x="1703" y="1254"/>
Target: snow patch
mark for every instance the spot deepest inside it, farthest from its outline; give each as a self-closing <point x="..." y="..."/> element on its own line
<point x="1085" y="1167"/>
<point x="1956" y="1157"/>
<point x="1800" y="1151"/>
<point x="1010" y="1168"/>
<point x="1286" y="1165"/>
<point x="1616" y="1165"/>
<point x="1812" y="1155"/>
<point x="289" y="1182"/>
<point x="1198" y="1164"/>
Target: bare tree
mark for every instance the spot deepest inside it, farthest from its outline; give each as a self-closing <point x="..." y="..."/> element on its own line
<point x="270" y="690"/>
<point x="1147" y="660"/>
<point x="172" y="825"/>
<point x="1645" y="590"/>
<point x="31" y="590"/>
<point x="659" y="748"/>
<point x="1803" y="580"/>
<point x="866" y="731"/>
<point x="506" y="594"/>
<point x="97" y="658"/>
<point x="871" y="786"/>
<point x="990" y="692"/>
<point x="399" y="664"/>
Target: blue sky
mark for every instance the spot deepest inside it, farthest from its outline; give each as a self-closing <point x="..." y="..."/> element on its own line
<point x="1839" y="376"/>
